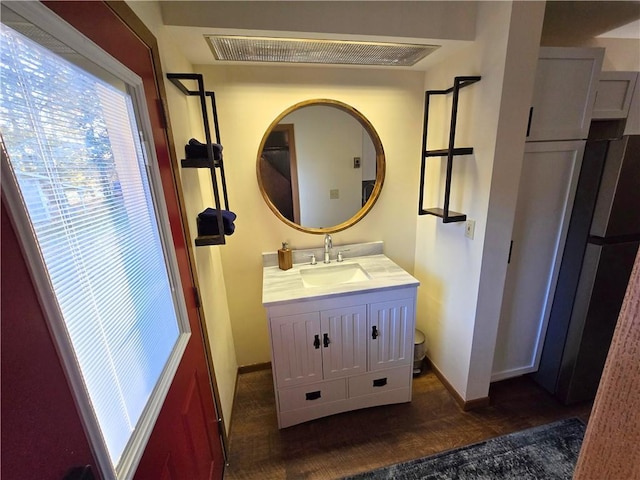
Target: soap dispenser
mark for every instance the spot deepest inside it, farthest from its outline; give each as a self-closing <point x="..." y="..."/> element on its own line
<point x="285" y="257"/>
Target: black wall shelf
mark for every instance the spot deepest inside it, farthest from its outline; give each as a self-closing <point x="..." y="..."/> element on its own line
<point x="210" y="161"/>
<point x="447" y="215"/>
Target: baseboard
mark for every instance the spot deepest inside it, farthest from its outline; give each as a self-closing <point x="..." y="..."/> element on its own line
<point x="476" y="403"/>
<point x="254" y="367"/>
<point x="465" y="405"/>
<point x="514" y="372"/>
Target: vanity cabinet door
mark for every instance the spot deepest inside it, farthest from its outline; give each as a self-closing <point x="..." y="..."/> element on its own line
<point x="391" y="333"/>
<point x="344" y="339"/>
<point x="297" y="349"/>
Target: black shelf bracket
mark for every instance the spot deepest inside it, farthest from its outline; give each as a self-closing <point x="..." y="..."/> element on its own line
<point x="447" y="215"/>
<point x="209" y="161"/>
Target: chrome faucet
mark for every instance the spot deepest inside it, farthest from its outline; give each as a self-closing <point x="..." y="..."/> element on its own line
<point x="328" y="244"/>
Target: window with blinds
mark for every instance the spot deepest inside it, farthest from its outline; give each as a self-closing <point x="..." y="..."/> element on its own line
<point x="72" y="142"/>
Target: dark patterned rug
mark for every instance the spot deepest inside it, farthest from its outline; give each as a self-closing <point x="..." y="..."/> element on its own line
<point x="547" y="452"/>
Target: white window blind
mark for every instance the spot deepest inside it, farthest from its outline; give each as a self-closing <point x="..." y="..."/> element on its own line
<point x="73" y="146"/>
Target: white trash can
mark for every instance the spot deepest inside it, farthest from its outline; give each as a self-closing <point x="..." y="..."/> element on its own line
<point x="419" y="351"/>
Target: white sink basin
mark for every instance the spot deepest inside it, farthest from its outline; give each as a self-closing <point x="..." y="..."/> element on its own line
<point x="325" y="276"/>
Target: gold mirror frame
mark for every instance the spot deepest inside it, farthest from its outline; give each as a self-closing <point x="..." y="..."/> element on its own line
<point x="380" y="165"/>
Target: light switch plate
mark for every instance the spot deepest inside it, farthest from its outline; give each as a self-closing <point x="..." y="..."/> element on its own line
<point x="469" y="229"/>
<point x="334" y="193"/>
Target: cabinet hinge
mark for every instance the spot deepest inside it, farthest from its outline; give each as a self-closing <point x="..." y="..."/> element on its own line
<point x="510" y="250"/>
<point x="163" y="113"/>
<point x="196" y="296"/>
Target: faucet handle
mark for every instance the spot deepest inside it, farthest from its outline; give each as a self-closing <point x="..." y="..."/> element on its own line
<point x="340" y="257"/>
<point x="313" y="259"/>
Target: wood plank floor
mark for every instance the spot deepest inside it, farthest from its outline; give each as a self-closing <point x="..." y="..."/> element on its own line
<point x="348" y="443"/>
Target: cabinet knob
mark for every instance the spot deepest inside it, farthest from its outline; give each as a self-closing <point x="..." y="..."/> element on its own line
<point x="326" y="340"/>
<point x="316" y="341"/>
<point x="374" y="332"/>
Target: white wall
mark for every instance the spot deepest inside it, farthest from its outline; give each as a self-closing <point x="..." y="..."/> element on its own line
<point x="185" y="120"/>
<point x="249" y="99"/>
<point x="462" y="280"/>
<point x="517" y="90"/>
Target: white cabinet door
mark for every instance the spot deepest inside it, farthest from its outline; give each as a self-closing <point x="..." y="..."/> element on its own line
<point x="391" y="333"/>
<point x="316" y="346"/>
<point x="545" y="199"/>
<point x="297" y="349"/>
<point x="344" y="341"/>
<point x="564" y="93"/>
<point x="613" y="98"/>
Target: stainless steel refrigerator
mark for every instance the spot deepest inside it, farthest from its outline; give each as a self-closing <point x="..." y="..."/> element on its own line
<point x="602" y="242"/>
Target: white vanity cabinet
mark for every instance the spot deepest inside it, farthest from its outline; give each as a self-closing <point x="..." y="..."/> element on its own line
<point x="342" y="353"/>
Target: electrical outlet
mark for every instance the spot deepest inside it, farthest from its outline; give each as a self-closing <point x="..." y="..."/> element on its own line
<point x="334" y="193"/>
<point x="469" y="229"/>
<point x="356" y="162"/>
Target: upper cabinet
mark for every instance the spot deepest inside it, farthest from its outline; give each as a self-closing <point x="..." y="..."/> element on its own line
<point x="615" y="90"/>
<point x="564" y="93"/>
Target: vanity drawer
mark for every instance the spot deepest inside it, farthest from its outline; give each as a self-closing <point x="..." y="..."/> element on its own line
<point x="311" y="395"/>
<point x="381" y="381"/>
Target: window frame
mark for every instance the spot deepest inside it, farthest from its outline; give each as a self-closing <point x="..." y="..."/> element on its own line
<point x="49" y="22"/>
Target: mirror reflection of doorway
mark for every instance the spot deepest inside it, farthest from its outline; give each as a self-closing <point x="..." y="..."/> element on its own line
<point x="279" y="172"/>
<point x="367" y="190"/>
<point x="369" y="170"/>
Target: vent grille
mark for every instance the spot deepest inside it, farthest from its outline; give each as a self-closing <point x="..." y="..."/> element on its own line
<point x="289" y="50"/>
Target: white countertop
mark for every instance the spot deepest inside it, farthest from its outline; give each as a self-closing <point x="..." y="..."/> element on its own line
<point x="284" y="286"/>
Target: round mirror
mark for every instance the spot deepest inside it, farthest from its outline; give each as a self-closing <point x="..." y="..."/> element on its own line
<point x="320" y="166"/>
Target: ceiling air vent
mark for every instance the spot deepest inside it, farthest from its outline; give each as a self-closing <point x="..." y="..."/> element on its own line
<point x="337" y="52"/>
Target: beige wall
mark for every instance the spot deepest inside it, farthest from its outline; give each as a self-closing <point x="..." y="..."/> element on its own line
<point x="184" y="118"/>
<point x="249" y="99"/>
<point x="621" y="54"/>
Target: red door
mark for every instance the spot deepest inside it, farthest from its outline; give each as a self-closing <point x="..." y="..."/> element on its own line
<point x="42" y="434"/>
